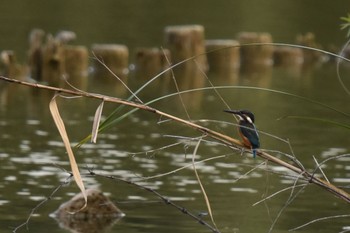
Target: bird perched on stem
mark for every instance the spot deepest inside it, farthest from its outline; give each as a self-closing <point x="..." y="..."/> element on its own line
<point x="247" y="129"/>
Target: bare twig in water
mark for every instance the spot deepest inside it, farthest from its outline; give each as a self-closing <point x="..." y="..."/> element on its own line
<point x="287" y="203"/>
<point x="200" y="183"/>
<point x="320" y="219"/>
<point x="163" y="198"/>
<point x="278" y="192"/>
<point x="32" y="212"/>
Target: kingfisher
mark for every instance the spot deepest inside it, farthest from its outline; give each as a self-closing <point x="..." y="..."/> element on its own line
<point x="247" y="129"/>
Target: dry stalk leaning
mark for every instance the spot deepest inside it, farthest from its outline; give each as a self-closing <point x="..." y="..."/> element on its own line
<point x="229" y="141"/>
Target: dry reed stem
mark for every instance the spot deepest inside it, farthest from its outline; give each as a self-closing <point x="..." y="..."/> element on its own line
<point x="62" y="130"/>
<point x="207" y="202"/>
<point x="229" y="141"/>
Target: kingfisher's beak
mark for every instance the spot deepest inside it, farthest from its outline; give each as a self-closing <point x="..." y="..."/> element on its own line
<point x="236" y="112"/>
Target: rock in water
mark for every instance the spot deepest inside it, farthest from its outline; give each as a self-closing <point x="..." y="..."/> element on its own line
<point x="99" y="215"/>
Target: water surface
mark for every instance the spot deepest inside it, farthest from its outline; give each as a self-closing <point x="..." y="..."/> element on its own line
<point x="33" y="158"/>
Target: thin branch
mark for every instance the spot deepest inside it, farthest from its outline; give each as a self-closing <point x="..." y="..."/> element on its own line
<point x="328" y="159"/>
<point x="32" y="212"/>
<point x="207" y="202"/>
<point x="287" y="203"/>
<point x="320" y="168"/>
<point x="318" y="220"/>
<point x="250" y="171"/>
<point x="338" y="68"/>
<point x="155" y="150"/>
<point x="278" y="192"/>
<point x="215" y="90"/>
<point x="116" y="76"/>
<point x="65" y="79"/>
<point x="181" y="168"/>
<point x="163" y="198"/>
<point x="294" y="158"/>
<point x="176" y="85"/>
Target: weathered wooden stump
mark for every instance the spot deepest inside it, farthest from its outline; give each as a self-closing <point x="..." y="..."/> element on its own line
<point x="98" y="216"/>
<point x="287" y="56"/>
<point x="53" y="62"/>
<point x="151" y="61"/>
<point x="76" y="62"/>
<point x="35" y="56"/>
<point x="309" y="40"/>
<point x="185" y="42"/>
<point x="110" y="60"/>
<point x="9" y="66"/>
<point x="290" y="59"/>
<point x="223" y="55"/>
<point x="255" y="55"/>
<point x="47" y="59"/>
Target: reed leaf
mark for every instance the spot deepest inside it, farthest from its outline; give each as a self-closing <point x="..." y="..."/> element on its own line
<point x="96" y="123"/>
<point x="62" y="130"/>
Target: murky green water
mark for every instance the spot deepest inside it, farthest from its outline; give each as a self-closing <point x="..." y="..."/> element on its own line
<point x="32" y="155"/>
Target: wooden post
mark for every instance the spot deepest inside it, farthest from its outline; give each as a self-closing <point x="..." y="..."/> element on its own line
<point x="290" y="59"/>
<point x="255" y="55"/>
<point x="53" y="62"/>
<point x="151" y="61"/>
<point x="309" y="40"/>
<point x="115" y="57"/>
<point x="223" y="58"/>
<point x="47" y="61"/>
<point x="35" y="56"/>
<point x="76" y="62"/>
<point x="287" y="56"/>
<point x="9" y="66"/>
<point x="185" y="42"/>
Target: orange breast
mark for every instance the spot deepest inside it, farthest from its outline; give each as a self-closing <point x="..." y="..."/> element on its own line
<point x="246" y="142"/>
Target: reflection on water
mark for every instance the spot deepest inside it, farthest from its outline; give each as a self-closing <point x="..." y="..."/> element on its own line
<point x="98" y="216"/>
<point x="32" y="157"/>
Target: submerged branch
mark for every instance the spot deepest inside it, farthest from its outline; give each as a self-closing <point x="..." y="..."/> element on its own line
<point x="46" y="199"/>
<point x="224" y="139"/>
<point x="163" y="198"/>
